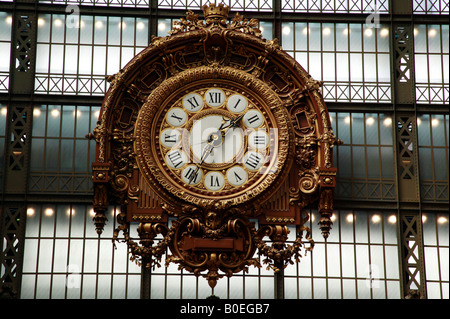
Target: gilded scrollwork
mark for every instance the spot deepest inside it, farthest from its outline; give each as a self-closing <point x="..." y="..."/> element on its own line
<point x="212" y="236"/>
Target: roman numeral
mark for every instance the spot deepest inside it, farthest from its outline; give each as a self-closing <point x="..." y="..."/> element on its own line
<point x="215" y="97"/>
<point x="253" y="160"/>
<point x="180" y="119"/>
<point x="175" y="158"/>
<point x="193" y="106"/>
<point x="191" y="175"/>
<point x="170" y="138"/>
<point x="238" y="178"/>
<point x="258" y="139"/>
<point x="214" y="181"/>
<point x="237" y="103"/>
<point x="253" y="119"/>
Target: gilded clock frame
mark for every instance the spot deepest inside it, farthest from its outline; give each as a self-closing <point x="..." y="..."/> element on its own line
<point x="150" y="161"/>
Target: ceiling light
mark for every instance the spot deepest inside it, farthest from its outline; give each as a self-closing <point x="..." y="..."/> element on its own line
<point x="392" y="219"/>
<point x="384" y="32"/>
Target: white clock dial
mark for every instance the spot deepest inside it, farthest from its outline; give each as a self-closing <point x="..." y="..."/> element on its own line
<point x="170" y="137"/>
<point x="225" y="146"/>
<point x="237" y="103"/>
<point x="176" y="159"/>
<point x="176" y="116"/>
<point x="253" y="119"/>
<point x="253" y="160"/>
<point x="214" y="181"/>
<point x="258" y="139"/>
<point x="192" y="174"/>
<point x="215" y="97"/>
<point x="193" y="102"/>
<point x="237" y="175"/>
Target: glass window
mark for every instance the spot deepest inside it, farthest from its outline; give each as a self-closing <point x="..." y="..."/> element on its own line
<point x="435" y="235"/>
<point x="238" y="5"/>
<point x="74" y="55"/>
<point x="61" y="156"/>
<point x="340" y="6"/>
<point x="433" y="156"/>
<point x="431" y="63"/>
<point x="365" y="161"/>
<point x="59" y="257"/>
<point x="5" y="49"/>
<point x="430" y="6"/>
<point x="101" y="3"/>
<point x="352" y="59"/>
<point x="361" y="254"/>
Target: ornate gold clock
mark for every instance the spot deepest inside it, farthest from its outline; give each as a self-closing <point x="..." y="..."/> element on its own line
<point x="213" y="144"/>
<point x="225" y="133"/>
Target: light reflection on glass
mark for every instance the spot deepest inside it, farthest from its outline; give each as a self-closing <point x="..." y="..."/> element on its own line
<point x="419" y="121"/>
<point x="70" y="212"/>
<point x="347" y="120"/>
<point x="370" y="121"/>
<point x="384" y="32"/>
<point x="30" y="212"/>
<point x="424" y="218"/>
<point x="442" y="220"/>
<point x="54" y="113"/>
<point x="432" y="33"/>
<point x="434" y="122"/>
<point x="58" y="22"/>
<point x="387" y="121"/>
<point x="392" y="219"/>
<point x="161" y="26"/>
<point x="140" y="26"/>
<point x="286" y="30"/>
<point x="49" y="212"/>
<point x="376" y="219"/>
<point x="350" y="218"/>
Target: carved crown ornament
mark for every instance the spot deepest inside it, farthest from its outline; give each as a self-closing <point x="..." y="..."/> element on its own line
<point x="213" y="141"/>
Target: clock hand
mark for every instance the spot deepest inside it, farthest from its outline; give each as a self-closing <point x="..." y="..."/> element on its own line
<point x="211" y="141"/>
<point x="233" y="123"/>
<point x="207" y="150"/>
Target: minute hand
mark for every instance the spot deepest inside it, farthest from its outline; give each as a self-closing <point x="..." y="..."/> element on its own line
<point x="208" y="148"/>
<point x="233" y="123"/>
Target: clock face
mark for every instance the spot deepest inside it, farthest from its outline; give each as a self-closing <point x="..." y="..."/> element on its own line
<point x="215" y="141"/>
<point x="224" y="140"/>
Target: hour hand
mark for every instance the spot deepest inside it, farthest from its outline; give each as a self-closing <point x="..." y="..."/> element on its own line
<point x="235" y="122"/>
<point x="232" y="123"/>
<point x="208" y="148"/>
